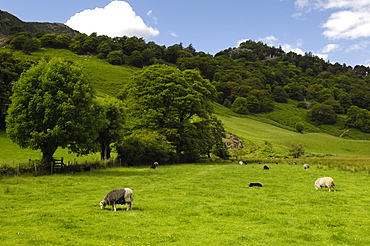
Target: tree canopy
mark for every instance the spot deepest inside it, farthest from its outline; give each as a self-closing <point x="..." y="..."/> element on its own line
<point x="177" y="104"/>
<point x="53" y="106"/>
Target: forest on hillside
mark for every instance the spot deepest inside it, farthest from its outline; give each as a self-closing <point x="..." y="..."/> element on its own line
<point x="248" y="78"/>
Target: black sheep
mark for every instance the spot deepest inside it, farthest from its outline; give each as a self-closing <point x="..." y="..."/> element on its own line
<point x="154" y="165"/>
<point x="255" y="185"/>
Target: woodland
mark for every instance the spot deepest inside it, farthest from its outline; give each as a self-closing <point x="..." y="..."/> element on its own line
<point x="249" y="79"/>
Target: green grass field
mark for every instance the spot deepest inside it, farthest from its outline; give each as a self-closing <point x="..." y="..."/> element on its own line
<point x="192" y="204"/>
<point x="252" y="129"/>
<point x="195" y="204"/>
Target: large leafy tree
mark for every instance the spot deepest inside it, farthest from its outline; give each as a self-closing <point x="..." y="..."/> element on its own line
<point x="177" y="104"/>
<point x="112" y="129"/>
<point x="53" y="106"/>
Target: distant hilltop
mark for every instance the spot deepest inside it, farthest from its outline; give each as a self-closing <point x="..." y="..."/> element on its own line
<point x="7" y="21"/>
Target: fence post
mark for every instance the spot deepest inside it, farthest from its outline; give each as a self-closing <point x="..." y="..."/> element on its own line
<point x="51" y="167"/>
<point x="19" y="166"/>
<point x="35" y="168"/>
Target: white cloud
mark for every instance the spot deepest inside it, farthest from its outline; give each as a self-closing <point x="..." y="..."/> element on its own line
<point x="359" y="46"/>
<point x="351" y="19"/>
<point x="269" y="40"/>
<point x="289" y="48"/>
<point x="174" y="34"/>
<point x="347" y="25"/>
<point x="330" y="48"/>
<point x="149" y="13"/>
<point x="115" y="20"/>
<point x="241" y="41"/>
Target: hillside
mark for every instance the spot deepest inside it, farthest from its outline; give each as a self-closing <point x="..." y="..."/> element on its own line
<point x="9" y="21"/>
<point x="252" y="130"/>
<point x="108" y="79"/>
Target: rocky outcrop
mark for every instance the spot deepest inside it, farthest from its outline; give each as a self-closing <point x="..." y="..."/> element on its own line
<point x="8" y="20"/>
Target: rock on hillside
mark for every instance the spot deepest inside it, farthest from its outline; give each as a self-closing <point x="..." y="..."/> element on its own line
<point x="8" y="20"/>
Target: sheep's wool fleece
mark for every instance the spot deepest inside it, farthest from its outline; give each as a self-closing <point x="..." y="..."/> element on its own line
<point x="119" y="196"/>
<point x="324" y="182"/>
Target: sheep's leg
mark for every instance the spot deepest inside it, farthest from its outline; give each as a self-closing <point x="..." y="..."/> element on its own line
<point x="114" y="207"/>
<point x="129" y="206"/>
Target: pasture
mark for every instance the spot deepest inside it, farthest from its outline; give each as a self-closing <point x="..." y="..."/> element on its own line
<point x="189" y="204"/>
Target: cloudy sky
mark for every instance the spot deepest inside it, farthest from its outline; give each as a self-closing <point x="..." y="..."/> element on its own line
<point x="335" y="30"/>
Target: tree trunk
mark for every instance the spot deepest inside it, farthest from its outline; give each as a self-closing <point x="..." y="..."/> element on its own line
<point x="105" y="152"/>
<point x="48" y="150"/>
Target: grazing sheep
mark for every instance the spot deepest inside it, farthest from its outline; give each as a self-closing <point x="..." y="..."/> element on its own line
<point x="266" y="168"/>
<point x="119" y="196"/>
<point x="241" y="162"/>
<point x="255" y="185"/>
<point x="154" y="165"/>
<point x="306" y="166"/>
<point x="324" y="182"/>
<point x="294" y="163"/>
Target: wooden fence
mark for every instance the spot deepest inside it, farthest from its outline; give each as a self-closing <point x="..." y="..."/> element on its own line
<point x="35" y="168"/>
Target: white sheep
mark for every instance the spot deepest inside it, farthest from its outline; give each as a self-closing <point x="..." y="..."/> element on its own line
<point x="119" y="196"/>
<point x="306" y="166"/>
<point x="327" y="182"/>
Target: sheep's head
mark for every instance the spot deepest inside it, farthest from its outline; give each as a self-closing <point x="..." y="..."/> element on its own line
<point x="102" y="204"/>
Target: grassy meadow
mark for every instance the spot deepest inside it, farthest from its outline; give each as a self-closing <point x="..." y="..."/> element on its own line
<point x="189" y="204"/>
<point x="196" y="204"/>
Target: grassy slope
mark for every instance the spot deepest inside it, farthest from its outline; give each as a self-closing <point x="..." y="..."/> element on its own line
<point x="195" y="204"/>
<point x="253" y="129"/>
<point x="108" y="79"/>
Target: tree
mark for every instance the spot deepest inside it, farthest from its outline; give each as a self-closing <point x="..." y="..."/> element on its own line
<point x="322" y="114"/>
<point x="116" y="57"/>
<point x="296" y="150"/>
<point x="112" y="130"/>
<point x="280" y="95"/>
<point x="53" y="106"/>
<point x="240" y="105"/>
<point x="299" y="126"/>
<point x="358" y="118"/>
<point x="10" y="70"/>
<point x="136" y="59"/>
<point x="49" y="41"/>
<point x="177" y="104"/>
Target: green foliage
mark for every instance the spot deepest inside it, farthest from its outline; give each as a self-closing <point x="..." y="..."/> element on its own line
<point x="299" y="126"/>
<point x="144" y="148"/>
<point x="116" y="57"/>
<point x="176" y="104"/>
<point x="297" y="150"/>
<point x="53" y="105"/>
<point x="111" y="132"/>
<point x="322" y="114"/>
<point x="10" y="69"/>
<point x="280" y="95"/>
<point x="240" y="106"/>
<point x="358" y="118"/>
<point x="258" y="130"/>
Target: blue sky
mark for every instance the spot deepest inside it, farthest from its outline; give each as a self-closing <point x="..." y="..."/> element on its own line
<point x="335" y="30"/>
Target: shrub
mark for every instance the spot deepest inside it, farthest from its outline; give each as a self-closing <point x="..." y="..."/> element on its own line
<point x="240" y="105"/>
<point x="143" y="148"/>
<point x="297" y="150"/>
<point x="299" y="126"/>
